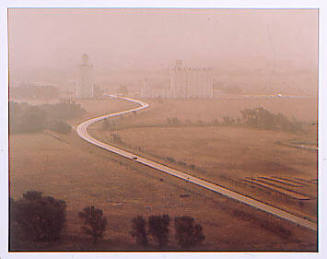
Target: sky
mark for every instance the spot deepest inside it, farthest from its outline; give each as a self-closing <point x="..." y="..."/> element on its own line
<point x="136" y="39"/>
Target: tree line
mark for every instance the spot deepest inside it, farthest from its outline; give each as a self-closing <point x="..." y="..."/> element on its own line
<point x="39" y="218"/>
<point x="26" y="118"/>
<point x="259" y="118"/>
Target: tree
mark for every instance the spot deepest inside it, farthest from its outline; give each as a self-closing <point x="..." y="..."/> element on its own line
<point x="39" y="218"/>
<point x="187" y="233"/>
<point x="159" y="229"/>
<point x="139" y="231"/>
<point x="94" y="222"/>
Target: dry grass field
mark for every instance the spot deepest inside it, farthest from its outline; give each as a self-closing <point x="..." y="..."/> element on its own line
<point x="207" y="110"/>
<point x="243" y="159"/>
<point x="227" y="156"/>
<point x="67" y="168"/>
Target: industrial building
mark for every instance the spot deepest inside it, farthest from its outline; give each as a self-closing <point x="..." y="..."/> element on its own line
<point x="184" y="82"/>
<point x="85" y="84"/>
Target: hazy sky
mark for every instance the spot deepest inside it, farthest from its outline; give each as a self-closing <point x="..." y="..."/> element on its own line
<point x="154" y="38"/>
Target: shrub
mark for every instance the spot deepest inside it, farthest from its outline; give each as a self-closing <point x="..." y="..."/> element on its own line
<point x="187" y="233"/>
<point x="159" y="229"/>
<point x="170" y="159"/>
<point x="139" y="231"/>
<point x="39" y="218"/>
<point x="94" y="222"/>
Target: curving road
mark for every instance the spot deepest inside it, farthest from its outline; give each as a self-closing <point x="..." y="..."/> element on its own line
<point x="82" y="132"/>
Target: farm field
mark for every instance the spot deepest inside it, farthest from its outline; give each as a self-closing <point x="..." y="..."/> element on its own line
<point x="67" y="168"/>
<point x="243" y="159"/>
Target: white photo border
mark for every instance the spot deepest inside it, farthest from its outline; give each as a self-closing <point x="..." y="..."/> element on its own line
<point x="237" y="4"/>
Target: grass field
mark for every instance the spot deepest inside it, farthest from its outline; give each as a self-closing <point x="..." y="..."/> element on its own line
<point x="67" y="168"/>
<point x="207" y="110"/>
<point x="229" y="155"/>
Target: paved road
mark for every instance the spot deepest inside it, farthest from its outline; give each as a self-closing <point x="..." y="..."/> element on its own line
<point x="82" y="132"/>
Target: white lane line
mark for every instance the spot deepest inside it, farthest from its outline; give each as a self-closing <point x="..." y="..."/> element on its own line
<point x="82" y="132"/>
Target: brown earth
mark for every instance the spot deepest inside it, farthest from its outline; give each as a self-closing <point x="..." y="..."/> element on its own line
<point x="67" y="168"/>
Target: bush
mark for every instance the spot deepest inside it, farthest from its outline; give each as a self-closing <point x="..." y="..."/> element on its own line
<point x="38" y="218"/>
<point x="187" y="233"/>
<point x="170" y="159"/>
<point x="159" y="229"/>
<point x="139" y="231"/>
<point x="94" y="222"/>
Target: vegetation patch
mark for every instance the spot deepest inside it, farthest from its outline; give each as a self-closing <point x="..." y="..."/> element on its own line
<point x="26" y="118"/>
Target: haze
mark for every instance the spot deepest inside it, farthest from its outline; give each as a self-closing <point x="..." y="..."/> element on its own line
<point x="43" y="41"/>
<point x="147" y="130"/>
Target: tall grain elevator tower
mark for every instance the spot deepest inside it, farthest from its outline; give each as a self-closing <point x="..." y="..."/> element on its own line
<point x="85" y="86"/>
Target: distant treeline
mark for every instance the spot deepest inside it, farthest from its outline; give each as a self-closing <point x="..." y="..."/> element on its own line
<point x="24" y="118"/>
<point x="34" y="92"/>
<point x="258" y="118"/>
<point x="261" y="118"/>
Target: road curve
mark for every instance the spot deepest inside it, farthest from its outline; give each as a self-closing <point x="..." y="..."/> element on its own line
<point x="82" y="132"/>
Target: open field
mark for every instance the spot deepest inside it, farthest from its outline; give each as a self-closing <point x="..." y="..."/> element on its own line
<point x="207" y="110"/>
<point x="227" y="155"/>
<point x="68" y="168"/>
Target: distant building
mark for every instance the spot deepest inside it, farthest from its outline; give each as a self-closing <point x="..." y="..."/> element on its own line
<point x="85" y="85"/>
<point x="152" y="89"/>
<point x="184" y="82"/>
<point x="187" y="82"/>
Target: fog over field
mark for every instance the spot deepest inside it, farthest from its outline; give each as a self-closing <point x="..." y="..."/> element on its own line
<point x="255" y="49"/>
<point x="163" y="130"/>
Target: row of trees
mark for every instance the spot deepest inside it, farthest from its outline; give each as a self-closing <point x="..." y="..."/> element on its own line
<point x="187" y="233"/>
<point x="264" y="119"/>
<point x="261" y="118"/>
<point x="24" y="117"/>
<point x="38" y="218"/>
